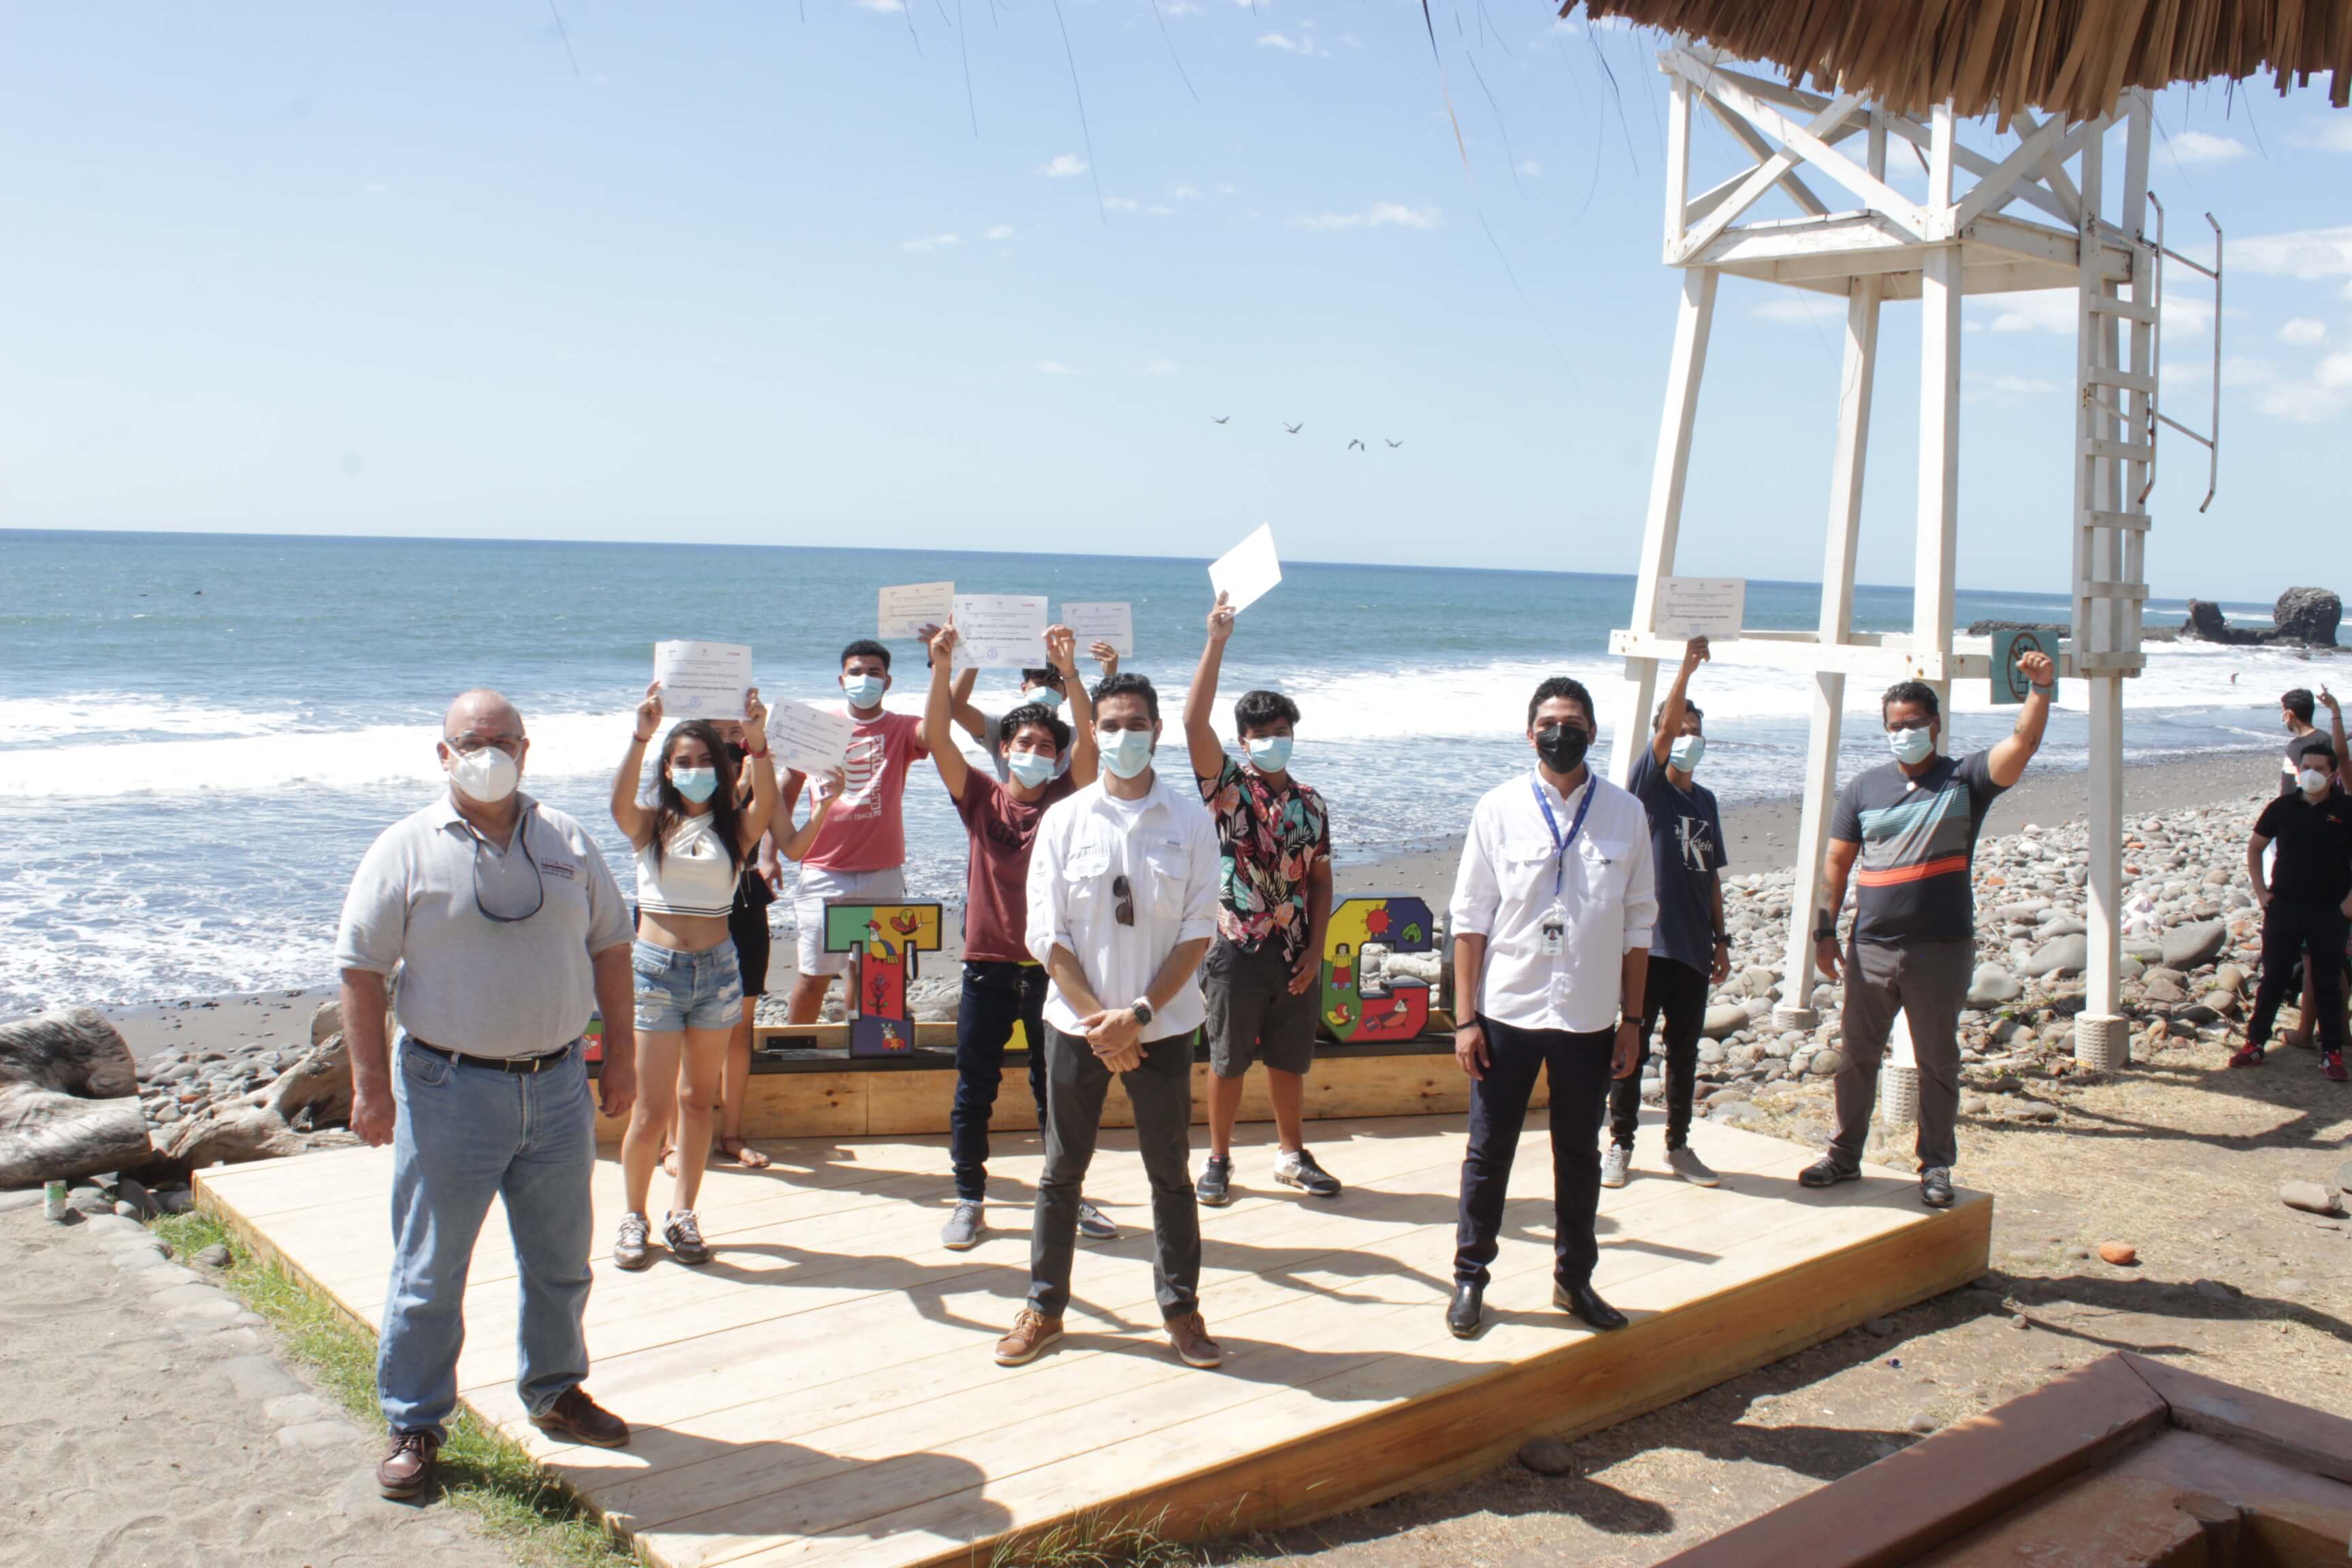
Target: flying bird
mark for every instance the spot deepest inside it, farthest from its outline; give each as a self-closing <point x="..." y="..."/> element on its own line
<point x="1355" y="446"/>
<point x="1392" y="445"/>
<point x="1295" y="429"/>
<point x="1226" y="420"/>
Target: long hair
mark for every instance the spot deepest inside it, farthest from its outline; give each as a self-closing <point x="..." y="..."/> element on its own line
<point x="669" y="806"/>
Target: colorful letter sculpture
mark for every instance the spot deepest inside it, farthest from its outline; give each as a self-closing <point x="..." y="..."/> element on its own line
<point x="883" y="941"/>
<point x="1355" y="1009"/>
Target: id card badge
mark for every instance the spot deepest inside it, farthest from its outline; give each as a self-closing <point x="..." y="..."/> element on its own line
<point x="1555" y="932"/>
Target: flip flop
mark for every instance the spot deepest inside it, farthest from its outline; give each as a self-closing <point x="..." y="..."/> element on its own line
<point x="742" y="1154"/>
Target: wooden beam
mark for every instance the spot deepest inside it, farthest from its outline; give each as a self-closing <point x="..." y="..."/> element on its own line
<point x="1763" y="177"/>
<point x="1937" y="536"/>
<point x="1802" y="139"/>
<point x="1761" y="151"/>
<point x="1995" y="190"/>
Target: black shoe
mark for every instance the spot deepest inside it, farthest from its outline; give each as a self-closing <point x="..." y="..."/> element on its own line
<point x="1461" y="1313"/>
<point x="1215" y="1188"/>
<point x="1300" y="1170"/>
<point x="1935" y="1188"/>
<point x="1826" y="1172"/>
<point x="1584" y="1302"/>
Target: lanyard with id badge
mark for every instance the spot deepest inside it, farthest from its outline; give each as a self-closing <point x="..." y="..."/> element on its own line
<point x="1555" y="920"/>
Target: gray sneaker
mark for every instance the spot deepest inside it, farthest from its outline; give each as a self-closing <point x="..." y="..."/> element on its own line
<point x="1615" y="1161"/>
<point x="682" y="1233"/>
<point x="629" y="1247"/>
<point x="1686" y="1165"/>
<point x="961" y="1232"/>
<point x="1094" y="1224"/>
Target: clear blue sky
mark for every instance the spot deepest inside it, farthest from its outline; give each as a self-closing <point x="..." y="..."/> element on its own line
<point x="747" y="274"/>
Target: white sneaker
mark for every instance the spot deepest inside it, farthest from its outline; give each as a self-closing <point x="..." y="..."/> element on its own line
<point x="1615" y="1160"/>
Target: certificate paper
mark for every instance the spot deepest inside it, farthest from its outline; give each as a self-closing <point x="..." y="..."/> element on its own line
<point x="1706" y="608"/>
<point x="808" y="739"/>
<point x="1248" y="570"/>
<point x="1110" y="623"/>
<point x="1000" y="631"/>
<point x="702" y="680"/>
<point x="904" y="611"/>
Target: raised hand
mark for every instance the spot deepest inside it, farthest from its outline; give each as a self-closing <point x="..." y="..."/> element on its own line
<point x="1694" y="653"/>
<point x="755" y="713"/>
<point x="1221" y="620"/>
<point x="1062" y="650"/>
<point x="649" y="712"/>
<point x="2327" y="699"/>
<point x="1103" y="654"/>
<point x="2037" y="668"/>
<point x="944" y="644"/>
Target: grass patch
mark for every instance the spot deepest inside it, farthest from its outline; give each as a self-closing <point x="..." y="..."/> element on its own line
<point x="483" y="1473"/>
<point x="1091" y="1541"/>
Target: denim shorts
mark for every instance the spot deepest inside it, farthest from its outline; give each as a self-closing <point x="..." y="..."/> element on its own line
<point x="680" y="991"/>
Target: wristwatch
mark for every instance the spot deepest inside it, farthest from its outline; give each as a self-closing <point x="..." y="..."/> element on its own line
<point x="1826" y="930"/>
<point x="1142" y="1008"/>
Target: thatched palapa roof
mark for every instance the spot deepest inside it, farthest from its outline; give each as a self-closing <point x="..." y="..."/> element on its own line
<point x="2070" y="56"/>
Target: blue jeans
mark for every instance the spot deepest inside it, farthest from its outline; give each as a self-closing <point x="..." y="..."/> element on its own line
<point x="995" y="994"/>
<point x="681" y="991"/>
<point x="462" y="1135"/>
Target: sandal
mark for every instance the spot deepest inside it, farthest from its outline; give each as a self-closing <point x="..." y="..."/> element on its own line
<point x="742" y="1154"/>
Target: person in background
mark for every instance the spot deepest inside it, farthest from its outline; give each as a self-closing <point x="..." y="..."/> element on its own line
<point x="1046" y="687"/>
<point x="2306" y="900"/>
<point x="1263" y="978"/>
<point x="1122" y="902"/>
<point x="1689" y="948"/>
<point x="860" y="850"/>
<point x="497" y="930"/>
<point x="1552" y="915"/>
<point x="1003" y="984"/>
<point x="1913" y="824"/>
<point x="693" y="841"/>
<point x="2296" y="712"/>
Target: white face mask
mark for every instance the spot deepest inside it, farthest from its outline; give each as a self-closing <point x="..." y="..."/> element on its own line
<point x="1125" y="752"/>
<point x="2313" y="781"/>
<point x="1912" y="746"/>
<point x="487" y="774"/>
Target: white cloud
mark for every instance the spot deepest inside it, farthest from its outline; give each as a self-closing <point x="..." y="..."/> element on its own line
<point x="1063" y="166"/>
<point x="1155" y="367"/>
<point x="930" y="242"/>
<point x="2336" y="371"/>
<point x="888" y="7"/>
<point x="1184" y="193"/>
<point x="1001" y="231"/>
<point x="1790" y="305"/>
<point x="1121" y="203"/>
<point x="2304" y="253"/>
<point x="2238" y="370"/>
<point x="1224" y="190"/>
<point x="2004" y="388"/>
<point x="2046" y="311"/>
<point x="1161" y="209"/>
<point x="2328" y="132"/>
<point x="1379" y="215"/>
<point x="1302" y="45"/>
<point x="2202" y="147"/>
<point x="1530" y="168"/>
<point x="377" y="188"/>
<point x="1054" y="367"/>
<point x="2320" y="398"/>
<point x="2302" y="332"/>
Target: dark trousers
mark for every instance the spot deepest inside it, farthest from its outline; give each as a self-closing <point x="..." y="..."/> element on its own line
<point x="1678" y="993"/>
<point x="2289" y="931"/>
<point x="996" y="996"/>
<point x="1577" y="1069"/>
<point x="1161" y="1089"/>
<point x="1928" y="983"/>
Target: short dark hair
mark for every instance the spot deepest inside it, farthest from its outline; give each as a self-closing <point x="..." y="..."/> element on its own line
<point x="1917" y="691"/>
<point x="1037" y="714"/>
<point x="1257" y="709"/>
<point x="2298" y="703"/>
<point x="866" y="647"/>
<point x="2317" y="745"/>
<point x="1127" y="683"/>
<point x="1048" y="677"/>
<point x="1561" y="686"/>
<point x="1660" y="716"/>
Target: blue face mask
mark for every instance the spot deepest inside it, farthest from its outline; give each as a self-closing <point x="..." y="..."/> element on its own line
<point x="1126" y="752"/>
<point x="1911" y="747"/>
<point x="697" y="784"/>
<point x="863" y="690"/>
<point x="1042" y="696"/>
<point x="1687" y="752"/>
<point x="1028" y="768"/>
<point x="1271" y="753"/>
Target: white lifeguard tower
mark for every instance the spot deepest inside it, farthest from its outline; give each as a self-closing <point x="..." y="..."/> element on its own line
<point x="2012" y="220"/>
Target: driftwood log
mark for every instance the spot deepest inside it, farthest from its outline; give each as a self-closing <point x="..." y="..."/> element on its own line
<point x="68" y="1098"/>
<point x="308" y="1107"/>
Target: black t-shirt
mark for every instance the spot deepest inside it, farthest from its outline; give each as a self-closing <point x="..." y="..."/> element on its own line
<point x="1685" y="853"/>
<point x="1918" y="839"/>
<point x="2314" y="849"/>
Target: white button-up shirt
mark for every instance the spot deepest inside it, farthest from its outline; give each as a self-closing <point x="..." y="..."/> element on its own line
<point x="1165" y="845"/>
<point x="1504" y="892"/>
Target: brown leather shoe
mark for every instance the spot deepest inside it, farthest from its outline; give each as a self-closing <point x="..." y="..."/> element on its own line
<point x="1193" y="1346"/>
<point x="408" y="1469"/>
<point x="1033" y="1335"/>
<point x="576" y="1418"/>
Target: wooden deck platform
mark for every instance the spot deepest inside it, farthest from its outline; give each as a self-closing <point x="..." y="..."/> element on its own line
<point x="823" y="1393"/>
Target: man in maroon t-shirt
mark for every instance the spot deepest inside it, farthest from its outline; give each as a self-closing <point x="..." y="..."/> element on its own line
<point x="1002" y="983"/>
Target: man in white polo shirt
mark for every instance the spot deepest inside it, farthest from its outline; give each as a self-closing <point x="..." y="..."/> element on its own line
<point x="1551" y="918"/>
<point x="1122" y="903"/>
<point x="499" y="929"/>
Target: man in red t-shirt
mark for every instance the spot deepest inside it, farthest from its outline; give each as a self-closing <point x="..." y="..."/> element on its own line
<point x="1002" y="983"/>
<point x="860" y="852"/>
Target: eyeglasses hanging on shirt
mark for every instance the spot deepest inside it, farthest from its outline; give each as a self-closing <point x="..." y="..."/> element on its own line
<point x="522" y="842"/>
<point x="1555" y="922"/>
<point x="1124" y="892"/>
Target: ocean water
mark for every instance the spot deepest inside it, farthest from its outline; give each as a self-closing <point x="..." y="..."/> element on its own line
<point x="199" y="734"/>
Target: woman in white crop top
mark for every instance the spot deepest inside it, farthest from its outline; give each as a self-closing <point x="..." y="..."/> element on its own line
<point x="693" y="834"/>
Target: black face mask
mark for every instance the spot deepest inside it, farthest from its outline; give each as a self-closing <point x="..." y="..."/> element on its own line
<point x="1562" y="746"/>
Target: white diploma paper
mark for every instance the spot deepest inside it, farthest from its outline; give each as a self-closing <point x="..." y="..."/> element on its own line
<point x="808" y="739"/>
<point x="1707" y="607"/>
<point x="702" y="680"/>
<point x="1110" y="623"/>
<point x="1000" y="631"/>
<point x="1248" y="570"/>
<point x="904" y="611"/>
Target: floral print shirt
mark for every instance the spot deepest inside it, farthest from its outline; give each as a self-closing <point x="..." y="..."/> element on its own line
<point x="1270" y="839"/>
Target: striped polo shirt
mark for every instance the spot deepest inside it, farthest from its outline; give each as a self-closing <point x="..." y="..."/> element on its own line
<point x="1918" y="839"/>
